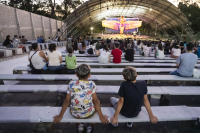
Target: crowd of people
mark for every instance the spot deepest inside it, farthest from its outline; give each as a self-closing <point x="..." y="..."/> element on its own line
<point x="81" y="94"/>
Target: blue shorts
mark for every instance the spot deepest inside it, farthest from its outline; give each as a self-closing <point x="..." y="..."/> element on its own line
<point x="178" y="74"/>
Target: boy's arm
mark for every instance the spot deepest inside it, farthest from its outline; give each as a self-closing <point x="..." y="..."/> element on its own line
<point x="98" y="109"/>
<point x="66" y="103"/>
<point x="152" y="118"/>
<point x="114" y="119"/>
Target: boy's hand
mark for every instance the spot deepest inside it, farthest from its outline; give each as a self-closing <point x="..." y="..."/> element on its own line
<point x="114" y="120"/>
<point x="154" y="119"/>
<point x="57" y="119"/>
<point x="104" y="119"/>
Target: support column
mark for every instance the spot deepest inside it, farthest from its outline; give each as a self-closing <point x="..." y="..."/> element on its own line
<point x="33" y="27"/>
<point x="62" y="30"/>
<point x="18" y="24"/>
<point x="56" y="27"/>
<point x="43" y="27"/>
<point x="1" y="36"/>
<point x="51" y="32"/>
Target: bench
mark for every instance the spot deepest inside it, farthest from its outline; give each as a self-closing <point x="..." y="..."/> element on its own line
<point x="16" y="50"/>
<point x="19" y="69"/>
<point x="48" y="77"/>
<point x="152" y="91"/>
<point x="45" y="114"/>
<point x="7" y="53"/>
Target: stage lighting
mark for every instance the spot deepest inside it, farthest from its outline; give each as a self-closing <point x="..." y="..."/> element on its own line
<point x="150" y="9"/>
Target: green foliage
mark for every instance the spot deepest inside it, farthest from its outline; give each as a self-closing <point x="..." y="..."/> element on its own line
<point x="192" y="12"/>
<point x="45" y="7"/>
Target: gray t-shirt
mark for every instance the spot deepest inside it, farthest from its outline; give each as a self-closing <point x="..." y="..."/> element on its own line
<point x="187" y="62"/>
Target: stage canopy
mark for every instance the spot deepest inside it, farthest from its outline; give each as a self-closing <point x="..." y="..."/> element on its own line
<point x="150" y="11"/>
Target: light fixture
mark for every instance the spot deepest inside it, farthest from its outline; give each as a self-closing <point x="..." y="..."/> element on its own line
<point x="150" y="9"/>
<point x="91" y="28"/>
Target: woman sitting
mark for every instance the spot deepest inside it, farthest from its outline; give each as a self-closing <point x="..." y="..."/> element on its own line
<point x="129" y="53"/>
<point x="176" y="51"/>
<point x="55" y="59"/>
<point x="70" y="61"/>
<point x="91" y="49"/>
<point x="159" y="53"/>
<point x="36" y="57"/>
<point x="75" y="46"/>
<point x="8" y="42"/>
<point x="82" y="47"/>
<point x="104" y="55"/>
<point x="147" y="50"/>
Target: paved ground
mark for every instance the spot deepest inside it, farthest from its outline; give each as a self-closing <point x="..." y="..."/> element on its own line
<point x="48" y="99"/>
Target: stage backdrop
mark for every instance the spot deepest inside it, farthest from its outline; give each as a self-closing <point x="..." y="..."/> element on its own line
<point x="130" y="31"/>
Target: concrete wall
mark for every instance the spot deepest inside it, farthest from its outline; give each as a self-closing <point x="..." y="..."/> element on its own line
<point x="18" y="22"/>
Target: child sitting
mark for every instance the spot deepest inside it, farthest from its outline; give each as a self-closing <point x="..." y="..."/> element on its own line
<point x="132" y="94"/>
<point x="83" y="100"/>
<point x="70" y="61"/>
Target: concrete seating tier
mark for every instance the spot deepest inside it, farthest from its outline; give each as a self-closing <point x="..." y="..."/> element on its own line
<point x="16" y="50"/>
<point x="19" y="69"/>
<point x="39" y="77"/>
<point x="45" y="114"/>
<point x="7" y="53"/>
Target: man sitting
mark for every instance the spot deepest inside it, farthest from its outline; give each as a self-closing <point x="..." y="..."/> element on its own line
<point x="117" y="54"/>
<point x="186" y="62"/>
<point x="132" y="95"/>
<point x="40" y="39"/>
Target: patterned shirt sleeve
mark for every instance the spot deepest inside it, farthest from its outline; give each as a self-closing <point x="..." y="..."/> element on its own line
<point x="94" y="87"/>
<point x="68" y="88"/>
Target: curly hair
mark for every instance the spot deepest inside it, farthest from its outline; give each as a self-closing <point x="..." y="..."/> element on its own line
<point x="83" y="71"/>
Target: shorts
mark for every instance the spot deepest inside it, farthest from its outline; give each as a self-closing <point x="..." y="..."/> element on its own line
<point x="114" y="101"/>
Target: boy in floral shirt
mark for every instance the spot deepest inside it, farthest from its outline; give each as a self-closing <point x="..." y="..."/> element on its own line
<point x="83" y="100"/>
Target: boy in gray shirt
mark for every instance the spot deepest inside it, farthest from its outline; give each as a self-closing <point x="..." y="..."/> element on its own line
<point x="185" y="63"/>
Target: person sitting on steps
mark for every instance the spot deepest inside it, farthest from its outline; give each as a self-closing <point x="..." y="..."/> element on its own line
<point x="132" y="95"/>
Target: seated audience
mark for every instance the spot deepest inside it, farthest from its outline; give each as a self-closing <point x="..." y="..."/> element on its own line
<point x="132" y="95"/>
<point x="111" y="44"/>
<point x="15" y="41"/>
<point x="69" y="43"/>
<point x="91" y="49"/>
<point x="82" y="97"/>
<point x="49" y="40"/>
<point x="197" y="51"/>
<point x="121" y="46"/>
<point x="75" y="46"/>
<point x="176" y="51"/>
<point x="129" y="53"/>
<point x="104" y="55"/>
<point x="59" y="39"/>
<point x="82" y="47"/>
<point x="159" y="53"/>
<point x="167" y="48"/>
<point x="186" y="62"/>
<point x="183" y="48"/>
<point x="98" y="45"/>
<point x="36" y="57"/>
<point x="24" y="40"/>
<point x="40" y="39"/>
<point x="8" y="42"/>
<point x="117" y="54"/>
<point x="55" y="59"/>
<point x="56" y="38"/>
<point x="70" y="61"/>
<point x="147" y="49"/>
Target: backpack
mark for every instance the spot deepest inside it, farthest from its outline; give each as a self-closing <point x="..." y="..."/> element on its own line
<point x="90" y="51"/>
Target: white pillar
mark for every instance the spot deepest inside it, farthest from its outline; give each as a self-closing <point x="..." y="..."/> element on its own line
<point x="51" y="32"/>
<point x="17" y="22"/>
<point x="57" y="28"/>
<point x="1" y="36"/>
<point x="34" y="37"/>
<point x="43" y="32"/>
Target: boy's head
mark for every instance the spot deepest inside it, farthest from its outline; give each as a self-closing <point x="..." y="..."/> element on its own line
<point x="83" y="71"/>
<point x="91" y="43"/>
<point x="190" y="46"/>
<point x="129" y="73"/>
<point x="70" y="50"/>
<point x="116" y="45"/>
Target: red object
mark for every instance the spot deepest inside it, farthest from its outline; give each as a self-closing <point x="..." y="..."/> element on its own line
<point x="78" y="117"/>
<point x="117" y="53"/>
<point x="89" y="109"/>
<point x="77" y="82"/>
<point x="89" y="92"/>
<point x="77" y="102"/>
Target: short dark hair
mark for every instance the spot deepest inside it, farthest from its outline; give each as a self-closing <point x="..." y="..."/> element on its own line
<point x="83" y="71"/>
<point x="116" y="45"/>
<point x="190" y="46"/>
<point x="70" y="50"/>
<point x="49" y="37"/>
<point x="34" y="46"/>
<point x="22" y="36"/>
<point x="91" y="43"/>
<point x="52" y="47"/>
<point x="129" y="73"/>
<point x="15" y="35"/>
